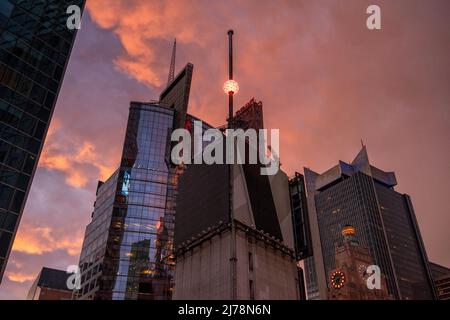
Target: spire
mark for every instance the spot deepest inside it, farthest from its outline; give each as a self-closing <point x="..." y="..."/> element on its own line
<point x="172" y="63"/>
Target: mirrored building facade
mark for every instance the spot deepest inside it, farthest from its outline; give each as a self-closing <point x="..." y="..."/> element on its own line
<point x="128" y="245"/>
<point x="363" y="196"/>
<point x="35" y="46"/>
<point x="127" y="252"/>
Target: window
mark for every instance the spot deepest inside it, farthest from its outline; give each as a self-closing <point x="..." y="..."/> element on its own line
<point x="16" y="158"/>
<point x="250" y="261"/>
<point x="252" y="290"/>
<point x="16" y="204"/>
<point x="27" y="124"/>
<point x="40" y="130"/>
<point x="50" y="100"/>
<point x="4" y="147"/>
<point x="29" y="164"/>
<point x="8" y="221"/>
<point x="5" y="196"/>
<point x="6" y="8"/>
<point x="8" y="176"/>
<point x="38" y="94"/>
<point x="5" y="240"/>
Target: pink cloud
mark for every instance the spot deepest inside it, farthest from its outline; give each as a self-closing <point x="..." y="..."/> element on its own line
<point x="70" y="157"/>
<point x="37" y="240"/>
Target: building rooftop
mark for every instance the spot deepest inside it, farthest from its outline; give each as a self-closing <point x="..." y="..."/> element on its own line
<point x="359" y="164"/>
<point x="53" y="278"/>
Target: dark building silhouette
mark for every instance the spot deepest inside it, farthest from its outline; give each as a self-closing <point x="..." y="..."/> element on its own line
<point x="363" y="196"/>
<point x="50" y="284"/>
<point x="441" y="277"/>
<point x="35" y="47"/>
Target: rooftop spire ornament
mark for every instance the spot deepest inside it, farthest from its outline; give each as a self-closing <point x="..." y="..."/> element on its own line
<point x="172" y="63"/>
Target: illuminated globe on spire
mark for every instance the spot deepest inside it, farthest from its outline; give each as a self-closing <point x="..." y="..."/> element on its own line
<point x="231" y="86"/>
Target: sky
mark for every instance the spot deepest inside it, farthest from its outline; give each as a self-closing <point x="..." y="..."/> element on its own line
<point x="325" y="81"/>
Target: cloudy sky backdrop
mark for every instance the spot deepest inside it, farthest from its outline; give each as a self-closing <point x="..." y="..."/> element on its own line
<point x="325" y="81"/>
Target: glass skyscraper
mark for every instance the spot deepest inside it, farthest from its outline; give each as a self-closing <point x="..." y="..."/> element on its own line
<point x="363" y="196"/>
<point x="127" y="252"/>
<point x="35" y="46"/>
<point x="127" y="249"/>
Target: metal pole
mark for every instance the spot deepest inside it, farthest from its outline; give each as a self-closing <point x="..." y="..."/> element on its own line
<point x="233" y="258"/>
<point x="230" y="94"/>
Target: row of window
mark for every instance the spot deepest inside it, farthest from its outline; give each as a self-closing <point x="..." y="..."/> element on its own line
<point x="49" y="26"/>
<point x="11" y="199"/>
<point x="22" y="121"/>
<point x="26" y="87"/>
<point x="34" y="59"/>
<point x="25" y="104"/>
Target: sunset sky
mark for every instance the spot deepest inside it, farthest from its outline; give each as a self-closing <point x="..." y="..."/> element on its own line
<point x="325" y="81"/>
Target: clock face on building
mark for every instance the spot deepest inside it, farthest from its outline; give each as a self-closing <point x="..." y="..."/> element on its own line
<point x="338" y="279"/>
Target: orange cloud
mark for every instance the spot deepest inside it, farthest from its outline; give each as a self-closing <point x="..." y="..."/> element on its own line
<point x="139" y="22"/>
<point x="57" y="156"/>
<point x="20" y="277"/>
<point x="40" y="240"/>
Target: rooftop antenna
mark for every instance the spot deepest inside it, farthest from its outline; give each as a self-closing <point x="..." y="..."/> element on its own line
<point x="172" y="63"/>
<point x="230" y="87"/>
<point x="362" y="143"/>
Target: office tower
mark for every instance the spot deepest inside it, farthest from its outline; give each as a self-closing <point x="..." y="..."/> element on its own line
<point x="363" y="196"/>
<point x="35" y="47"/>
<point x="253" y="260"/>
<point x="348" y="280"/>
<point x="127" y="252"/>
<point x="50" y="284"/>
<point x="441" y="277"/>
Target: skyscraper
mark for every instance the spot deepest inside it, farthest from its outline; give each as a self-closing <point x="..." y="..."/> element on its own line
<point x="127" y="252"/>
<point x="256" y="260"/>
<point x="35" y="46"/>
<point x="363" y="196"/>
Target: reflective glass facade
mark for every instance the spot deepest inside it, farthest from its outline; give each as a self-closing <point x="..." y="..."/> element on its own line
<point x="35" y="46"/>
<point x="405" y="244"/>
<point x="353" y="202"/>
<point x="363" y="196"/>
<point x="127" y="252"/>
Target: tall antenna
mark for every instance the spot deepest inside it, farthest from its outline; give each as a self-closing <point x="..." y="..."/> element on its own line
<point x="172" y="63"/>
<point x="230" y="74"/>
<point x="230" y="87"/>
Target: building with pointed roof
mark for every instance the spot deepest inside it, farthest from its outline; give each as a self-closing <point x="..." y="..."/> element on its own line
<point x="363" y="196"/>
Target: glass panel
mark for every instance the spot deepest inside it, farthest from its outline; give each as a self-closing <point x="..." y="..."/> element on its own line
<point x="6" y="8"/>
<point x="5" y="240"/>
<point x="5" y="196"/>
